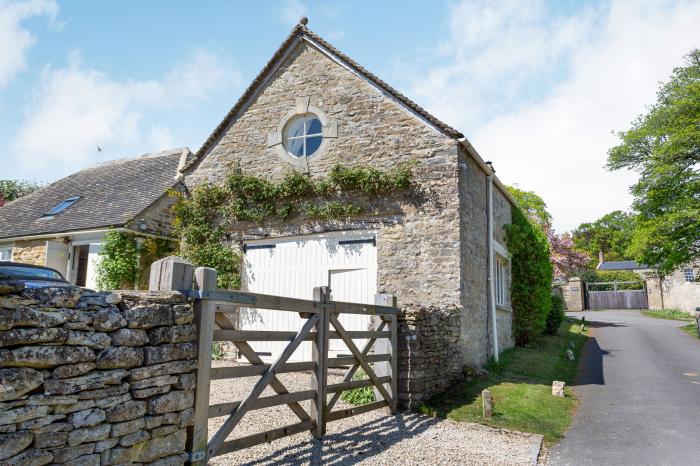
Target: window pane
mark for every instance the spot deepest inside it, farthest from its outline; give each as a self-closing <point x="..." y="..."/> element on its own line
<point x="296" y="128"/>
<point x="295" y="146"/>
<point x="312" y="144"/>
<point x="314" y="126"/>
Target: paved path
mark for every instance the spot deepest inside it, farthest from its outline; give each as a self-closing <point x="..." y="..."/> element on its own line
<point x="640" y="394"/>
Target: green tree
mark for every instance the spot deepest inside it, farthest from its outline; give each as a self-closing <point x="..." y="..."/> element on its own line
<point x="564" y="258"/>
<point x="663" y="146"/>
<point x="533" y="206"/>
<point x="611" y="234"/>
<point x="14" y="189"/>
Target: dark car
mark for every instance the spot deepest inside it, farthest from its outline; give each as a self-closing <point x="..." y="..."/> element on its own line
<point x="33" y="276"/>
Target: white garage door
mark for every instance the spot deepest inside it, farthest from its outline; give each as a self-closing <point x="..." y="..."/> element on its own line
<point x="347" y="263"/>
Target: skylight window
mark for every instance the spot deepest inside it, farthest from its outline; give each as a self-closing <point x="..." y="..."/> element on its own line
<point x="62" y="206"/>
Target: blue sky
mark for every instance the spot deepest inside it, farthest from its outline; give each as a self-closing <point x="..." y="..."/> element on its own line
<point x="536" y="86"/>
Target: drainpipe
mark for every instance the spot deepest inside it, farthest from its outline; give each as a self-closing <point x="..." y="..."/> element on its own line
<point x="492" y="291"/>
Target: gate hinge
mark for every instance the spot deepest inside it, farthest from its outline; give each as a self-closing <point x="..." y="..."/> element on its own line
<point x="197" y="456"/>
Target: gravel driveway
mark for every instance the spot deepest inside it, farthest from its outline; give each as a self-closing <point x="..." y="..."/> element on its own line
<point x="371" y="438"/>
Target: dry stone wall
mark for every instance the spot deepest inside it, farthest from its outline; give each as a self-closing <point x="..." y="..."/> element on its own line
<point x="94" y="378"/>
<point x="430" y="359"/>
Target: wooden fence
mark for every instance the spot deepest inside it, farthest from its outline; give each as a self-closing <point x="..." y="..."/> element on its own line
<point x="612" y="296"/>
<point x="213" y="317"/>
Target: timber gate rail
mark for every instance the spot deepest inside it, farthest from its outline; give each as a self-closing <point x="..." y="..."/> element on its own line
<point x="213" y="316"/>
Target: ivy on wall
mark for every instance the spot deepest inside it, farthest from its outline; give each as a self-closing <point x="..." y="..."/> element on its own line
<point x="122" y="264"/>
<point x="531" y="287"/>
<point x="201" y="220"/>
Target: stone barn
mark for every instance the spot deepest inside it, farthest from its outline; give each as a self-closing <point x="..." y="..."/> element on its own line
<point x="312" y="108"/>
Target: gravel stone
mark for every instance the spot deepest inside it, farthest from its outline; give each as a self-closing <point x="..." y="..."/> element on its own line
<point x="373" y="438"/>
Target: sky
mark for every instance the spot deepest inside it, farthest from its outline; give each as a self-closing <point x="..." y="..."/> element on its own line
<point x="539" y="88"/>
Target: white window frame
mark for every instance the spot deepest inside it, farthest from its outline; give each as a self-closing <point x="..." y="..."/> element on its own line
<point x="500" y="275"/>
<point x="5" y="253"/>
<point x="307" y="117"/>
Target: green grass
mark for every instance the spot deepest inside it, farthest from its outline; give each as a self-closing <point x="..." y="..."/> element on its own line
<point x="670" y="314"/>
<point x="521" y="387"/>
<point x="691" y="329"/>
<point x="358" y="396"/>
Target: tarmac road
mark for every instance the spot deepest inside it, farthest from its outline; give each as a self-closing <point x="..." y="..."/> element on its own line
<point x="639" y="388"/>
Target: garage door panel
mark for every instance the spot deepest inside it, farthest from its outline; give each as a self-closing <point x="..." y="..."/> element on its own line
<point x="293" y="268"/>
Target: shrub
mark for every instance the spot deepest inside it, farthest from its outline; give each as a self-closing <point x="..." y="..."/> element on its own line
<point x="556" y="315"/>
<point x="531" y="286"/>
<point x="122" y="264"/>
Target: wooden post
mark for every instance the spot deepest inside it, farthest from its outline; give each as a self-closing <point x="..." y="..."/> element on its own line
<point x="204" y="310"/>
<point x="487" y="402"/>
<point x="171" y="274"/>
<point x="388" y="346"/>
<point x="319" y="355"/>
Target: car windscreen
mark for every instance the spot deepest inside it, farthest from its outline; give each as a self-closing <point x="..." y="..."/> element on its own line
<point x="13" y="271"/>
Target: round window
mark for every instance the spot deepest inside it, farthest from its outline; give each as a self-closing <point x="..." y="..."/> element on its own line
<point x="303" y="135"/>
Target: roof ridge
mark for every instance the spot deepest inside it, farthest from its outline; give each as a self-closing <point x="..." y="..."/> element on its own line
<point x="147" y="155"/>
<point x="298" y="31"/>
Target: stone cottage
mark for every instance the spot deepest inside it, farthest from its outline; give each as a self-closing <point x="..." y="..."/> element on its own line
<point x="62" y="225"/>
<point x="312" y="107"/>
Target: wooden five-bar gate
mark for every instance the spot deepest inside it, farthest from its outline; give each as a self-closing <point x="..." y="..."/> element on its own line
<point x="214" y="310"/>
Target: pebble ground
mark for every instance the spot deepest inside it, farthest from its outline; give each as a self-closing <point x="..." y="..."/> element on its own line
<point x="375" y="438"/>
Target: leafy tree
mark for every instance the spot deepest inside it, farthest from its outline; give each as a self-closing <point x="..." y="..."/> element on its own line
<point x="562" y="254"/>
<point x="663" y="146"/>
<point x="14" y="189"/>
<point x="533" y="206"/>
<point x="611" y="234"/>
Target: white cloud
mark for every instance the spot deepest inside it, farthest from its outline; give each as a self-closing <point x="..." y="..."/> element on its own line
<point x="15" y="39"/>
<point x="77" y="108"/>
<point x="586" y="75"/>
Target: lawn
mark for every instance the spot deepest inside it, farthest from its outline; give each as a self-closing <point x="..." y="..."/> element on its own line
<point x="670" y="314"/>
<point x="521" y="386"/>
<point x="691" y="329"/>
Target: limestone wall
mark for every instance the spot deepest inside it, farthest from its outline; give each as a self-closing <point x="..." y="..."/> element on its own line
<point x="430" y="359"/>
<point x="573" y="292"/>
<point x="30" y="252"/>
<point x="94" y="379"/>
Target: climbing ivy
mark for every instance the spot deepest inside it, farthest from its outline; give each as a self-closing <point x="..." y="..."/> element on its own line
<point x="202" y="219"/>
<point x="531" y="287"/>
<point x="122" y="264"/>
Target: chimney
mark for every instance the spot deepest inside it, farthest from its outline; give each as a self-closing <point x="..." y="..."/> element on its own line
<point x="601" y="259"/>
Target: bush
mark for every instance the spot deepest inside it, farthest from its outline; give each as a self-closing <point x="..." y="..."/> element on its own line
<point x="531" y="288"/>
<point x="556" y="315"/>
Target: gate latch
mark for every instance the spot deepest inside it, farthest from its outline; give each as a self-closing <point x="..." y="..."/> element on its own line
<point x="197" y="456"/>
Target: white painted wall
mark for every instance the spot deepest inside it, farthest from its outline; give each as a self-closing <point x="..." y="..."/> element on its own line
<point x="94" y="258"/>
